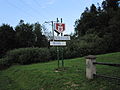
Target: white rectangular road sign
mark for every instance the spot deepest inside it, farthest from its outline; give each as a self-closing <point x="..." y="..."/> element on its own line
<point x="60" y="38"/>
<point x="57" y="43"/>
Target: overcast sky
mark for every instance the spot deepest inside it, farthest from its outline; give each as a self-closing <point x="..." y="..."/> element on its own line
<point x="31" y="11"/>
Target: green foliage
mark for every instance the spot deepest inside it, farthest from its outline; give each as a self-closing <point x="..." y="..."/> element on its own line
<point x="4" y="63"/>
<point x="105" y="23"/>
<point x="110" y="4"/>
<point x="53" y="53"/>
<point x="28" y="55"/>
<point x="40" y="40"/>
<point x="24" y="35"/>
<point x="7" y="39"/>
<point x="88" y="44"/>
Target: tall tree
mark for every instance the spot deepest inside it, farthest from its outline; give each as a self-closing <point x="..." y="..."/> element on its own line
<point x="40" y="40"/>
<point x="24" y="35"/>
<point x="93" y="9"/>
<point x="107" y="4"/>
<point x="88" y="21"/>
<point x="102" y="21"/>
<point x="7" y="38"/>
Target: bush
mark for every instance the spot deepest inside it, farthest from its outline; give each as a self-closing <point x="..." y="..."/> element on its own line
<point x="4" y="63"/>
<point x="28" y="55"/>
<point x="88" y="44"/>
<point x="53" y="53"/>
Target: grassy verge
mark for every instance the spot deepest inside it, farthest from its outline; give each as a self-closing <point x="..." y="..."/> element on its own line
<point x="43" y="76"/>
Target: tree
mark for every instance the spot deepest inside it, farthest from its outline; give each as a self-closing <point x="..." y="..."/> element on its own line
<point x="93" y="9"/>
<point x="107" y="4"/>
<point x="88" y="21"/>
<point x="40" y="40"/>
<point x="114" y="30"/>
<point x="102" y="21"/>
<point x="24" y="35"/>
<point x="7" y="38"/>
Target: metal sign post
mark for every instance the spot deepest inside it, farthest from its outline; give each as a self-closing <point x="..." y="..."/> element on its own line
<point x="58" y="49"/>
<point x="62" y="47"/>
<point x="53" y="29"/>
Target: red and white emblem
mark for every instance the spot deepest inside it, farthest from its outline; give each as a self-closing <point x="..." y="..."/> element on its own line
<point x="59" y="27"/>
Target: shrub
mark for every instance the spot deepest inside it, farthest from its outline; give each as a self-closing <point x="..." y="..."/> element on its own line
<point x="53" y="53"/>
<point x="28" y="55"/>
<point x="88" y="44"/>
<point x="4" y="63"/>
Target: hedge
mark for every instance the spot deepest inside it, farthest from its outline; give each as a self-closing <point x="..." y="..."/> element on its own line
<point x="28" y="55"/>
<point x="75" y="48"/>
<point x="4" y="63"/>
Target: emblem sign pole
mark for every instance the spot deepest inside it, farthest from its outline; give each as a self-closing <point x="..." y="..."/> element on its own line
<point x="58" y="49"/>
<point x="62" y="50"/>
<point x="53" y="30"/>
<point x="58" y="40"/>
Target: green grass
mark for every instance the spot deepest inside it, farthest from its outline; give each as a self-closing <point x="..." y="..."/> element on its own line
<point x="43" y="76"/>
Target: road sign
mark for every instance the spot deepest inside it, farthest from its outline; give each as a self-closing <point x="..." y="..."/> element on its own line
<point x="57" y="43"/>
<point x="59" y="27"/>
<point x="62" y="38"/>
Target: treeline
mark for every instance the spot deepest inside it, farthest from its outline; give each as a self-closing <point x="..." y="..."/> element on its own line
<point x="96" y="31"/>
<point x="98" y="28"/>
<point x="22" y="36"/>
